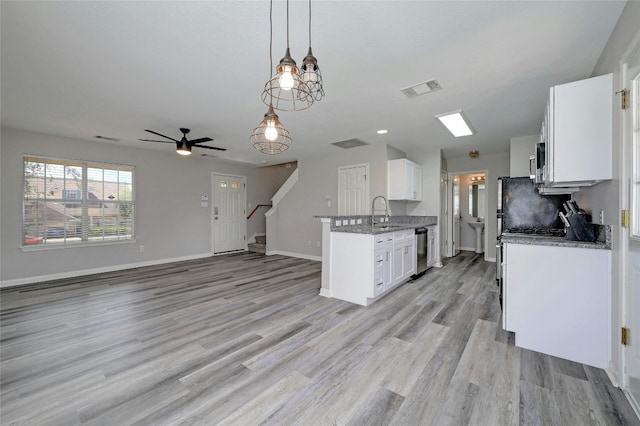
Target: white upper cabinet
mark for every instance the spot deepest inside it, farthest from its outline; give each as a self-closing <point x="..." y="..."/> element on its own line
<point x="404" y="180"/>
<point x="578" y="132"/>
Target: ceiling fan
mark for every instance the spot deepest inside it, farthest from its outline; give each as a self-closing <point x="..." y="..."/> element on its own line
<point x="183" y="146"/>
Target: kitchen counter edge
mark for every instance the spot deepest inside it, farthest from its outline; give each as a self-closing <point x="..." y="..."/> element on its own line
<point x="539" y="240"/>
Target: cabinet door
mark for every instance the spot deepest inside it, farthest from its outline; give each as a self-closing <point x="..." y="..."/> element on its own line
<point x="416" y="179"/>
<point x="409" y="261"/>
<point x="404" y="180"/>
<point x="580" y="132"/>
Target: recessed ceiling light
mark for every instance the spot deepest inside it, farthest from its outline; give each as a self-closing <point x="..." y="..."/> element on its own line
<point x="456" y="123"/>
<point x="382" y="132"/>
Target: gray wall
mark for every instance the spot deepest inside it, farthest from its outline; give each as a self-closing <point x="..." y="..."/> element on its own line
<point x="299" y="232"/>
<point x="496" y="165"/>
<point x="169" y="220"/>
<point x="606" y="196"/>
<point x="520" y="150"/>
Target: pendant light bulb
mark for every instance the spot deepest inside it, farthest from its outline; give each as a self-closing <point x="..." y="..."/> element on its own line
<point x="286" y="78"/>
<point x="271" y="133"/>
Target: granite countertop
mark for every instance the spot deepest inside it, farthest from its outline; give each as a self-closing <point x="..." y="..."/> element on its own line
<point x="543" y="240"/>
<point x="361" y="224"/>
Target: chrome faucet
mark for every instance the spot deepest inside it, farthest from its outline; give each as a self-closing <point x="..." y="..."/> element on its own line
<point x="386" y="209"/>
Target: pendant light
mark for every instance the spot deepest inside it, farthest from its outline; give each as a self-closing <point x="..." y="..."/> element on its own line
<point x="311" y="76"/>
<point x="285" y="90"/>
<point x="270" y="137"/>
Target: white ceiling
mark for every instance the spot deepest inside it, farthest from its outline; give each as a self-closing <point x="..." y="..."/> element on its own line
<point x="81" y="69"/>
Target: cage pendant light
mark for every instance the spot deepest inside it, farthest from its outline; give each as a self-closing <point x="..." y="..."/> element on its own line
<point x="270" y="137"/>
<point x="285" y="90"/>
<point x="311" y="76"/>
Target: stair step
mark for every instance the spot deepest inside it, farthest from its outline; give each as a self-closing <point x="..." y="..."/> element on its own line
<point x="257" y="248"/>
<point x="261" y="239"/>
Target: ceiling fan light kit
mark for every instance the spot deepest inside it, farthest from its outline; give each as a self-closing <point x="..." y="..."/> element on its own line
<point x="183" y="146"/>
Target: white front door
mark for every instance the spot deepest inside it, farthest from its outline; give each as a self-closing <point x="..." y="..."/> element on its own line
<point x="631" y="174"/>
<point x="228" y="213"/>
<point x="353" y="190"/>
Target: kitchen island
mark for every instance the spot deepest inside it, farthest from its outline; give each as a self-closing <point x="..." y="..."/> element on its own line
<point x="362" y="261"/>
<point x="557" y="296"/>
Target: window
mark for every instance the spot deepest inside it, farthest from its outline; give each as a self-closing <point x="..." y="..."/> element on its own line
<point x="75" y="202"/>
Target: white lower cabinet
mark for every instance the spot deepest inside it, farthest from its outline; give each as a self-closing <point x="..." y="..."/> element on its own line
<point x="557" y="301"/>
<point x="404" y="256"/>
<point x="363" y="266"/>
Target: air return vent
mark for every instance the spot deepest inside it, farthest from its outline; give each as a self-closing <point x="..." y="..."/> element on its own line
<point x="422" y="88"/>
<point x="350" y="143"/>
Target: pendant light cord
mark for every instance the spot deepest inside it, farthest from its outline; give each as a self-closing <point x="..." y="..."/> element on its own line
<point x="309" y="23"/>
<point x="287" y="24"/>
<point x="270" y="49"/>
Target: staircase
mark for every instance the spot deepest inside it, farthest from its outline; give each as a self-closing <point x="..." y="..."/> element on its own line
<point x="260" y="246"/>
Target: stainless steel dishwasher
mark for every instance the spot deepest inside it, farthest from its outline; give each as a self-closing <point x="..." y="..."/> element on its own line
<point x="421" y="251"/>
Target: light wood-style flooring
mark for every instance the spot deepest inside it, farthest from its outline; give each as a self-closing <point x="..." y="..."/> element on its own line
<point x="245" y="339"/>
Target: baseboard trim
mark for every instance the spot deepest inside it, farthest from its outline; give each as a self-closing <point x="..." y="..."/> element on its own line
<point x="325" y="292"/>
<point x="82" y="272"/>
<point x="290" y="254"/>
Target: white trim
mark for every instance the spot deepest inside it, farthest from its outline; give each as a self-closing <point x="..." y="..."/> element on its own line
<point x="625" y="200"/>
<point x="325" y="292"/>
<point x="473" y="249"/>
<point x="284" y="189"/>
<point x="83" y="272"/>
<point x="290" y="254"/>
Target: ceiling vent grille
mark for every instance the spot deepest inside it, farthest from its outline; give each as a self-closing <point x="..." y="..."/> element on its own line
<point x="422" y="88"/>
<point x="350" y="143"/>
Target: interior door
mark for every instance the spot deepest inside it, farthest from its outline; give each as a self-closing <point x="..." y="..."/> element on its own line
<point x="454" y="234"/>
<point x="353" y="190"/>
<point x="229" y="213"/>
<point x="631" y="367"/>
<point x="444" y="211"/>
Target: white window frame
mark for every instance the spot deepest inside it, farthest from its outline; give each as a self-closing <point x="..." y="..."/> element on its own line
<point x="83" y="237"/>
<point x="635" y="171"/>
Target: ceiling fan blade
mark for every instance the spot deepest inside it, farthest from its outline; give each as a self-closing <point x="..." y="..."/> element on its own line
<point x="160" y="134"/>
<point x="151" y="140"/>
<point x="211" y="147"/>
<point x="201" y="140"/>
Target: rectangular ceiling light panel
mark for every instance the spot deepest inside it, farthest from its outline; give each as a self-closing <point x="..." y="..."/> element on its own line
<point x="456" y="123"/>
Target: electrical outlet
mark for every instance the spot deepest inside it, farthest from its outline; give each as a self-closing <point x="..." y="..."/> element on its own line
<point x="317" y="243"/>
<point x="602" y="217"/>
<point x="141" y="248"/>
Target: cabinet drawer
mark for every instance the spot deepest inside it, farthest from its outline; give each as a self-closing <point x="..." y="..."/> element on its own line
<point x="378" y="283"/>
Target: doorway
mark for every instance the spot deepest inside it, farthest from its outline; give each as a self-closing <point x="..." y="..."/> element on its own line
<point x="228" y="213"/>
<point x="468" y="202"/>
<point x="353" y="190"/>
<point x="630" y="237"/>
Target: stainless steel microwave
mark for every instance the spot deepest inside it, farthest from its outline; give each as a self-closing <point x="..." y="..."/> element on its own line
<point x="537" y="163"/>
